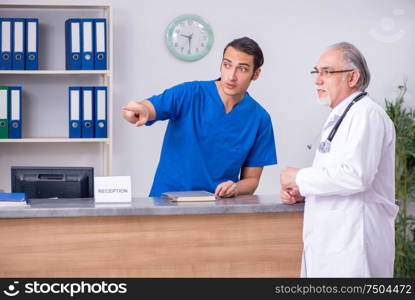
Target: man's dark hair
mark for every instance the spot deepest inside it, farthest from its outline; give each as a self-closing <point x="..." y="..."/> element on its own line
<point x="248" y="46"/>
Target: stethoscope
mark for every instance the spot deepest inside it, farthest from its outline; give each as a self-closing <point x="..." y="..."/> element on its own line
<point x="325" y="146"/>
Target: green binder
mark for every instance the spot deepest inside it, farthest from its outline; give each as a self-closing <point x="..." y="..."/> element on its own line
<point x="4" y="112"/>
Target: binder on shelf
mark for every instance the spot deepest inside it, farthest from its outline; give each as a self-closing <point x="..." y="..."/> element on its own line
<point x="75" y="112"/>
<point x="15" y="116"/>
<point x="87" y="44"/>
<point x="73" y="43"/>
<point x="88" y="112"/>
<point x="18" y="59"/>
<point x="101" y="112"/>
<point x="4" y="112"/>
<point x="6" y="44"/>
<point x="32" y="44"/>
<point x="100" y="54"/>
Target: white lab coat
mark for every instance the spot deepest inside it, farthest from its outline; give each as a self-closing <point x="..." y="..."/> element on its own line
<point x="350" y="205"/>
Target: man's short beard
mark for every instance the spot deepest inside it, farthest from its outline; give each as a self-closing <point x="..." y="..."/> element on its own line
<point x="325" y="101"/>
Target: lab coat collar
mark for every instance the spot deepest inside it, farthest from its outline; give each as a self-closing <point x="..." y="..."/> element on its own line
<point x="339" y="109"/>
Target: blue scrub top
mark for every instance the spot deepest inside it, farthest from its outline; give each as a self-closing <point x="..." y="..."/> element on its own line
<point x="203" y="145"/>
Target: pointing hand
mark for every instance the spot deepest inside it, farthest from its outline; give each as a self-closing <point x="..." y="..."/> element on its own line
<point x="135" y="113"/>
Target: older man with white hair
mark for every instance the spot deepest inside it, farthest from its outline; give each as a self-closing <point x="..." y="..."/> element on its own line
<point x="349" y="190"/>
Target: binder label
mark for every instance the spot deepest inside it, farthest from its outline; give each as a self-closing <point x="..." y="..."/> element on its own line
<point x="101" y="105"/>
<point x="74" y="105"/>
<point x="5" y="36"/>
<point x="3" y="104"/>
<point x="87" y="105"/>
<point x="87" y="36"/>
<point x="15" y="115"/>
<point x="100" y="36"/>
<point x="76" y="46"/>
<point x="18" y="37"/>
<point x="31" y="34"/>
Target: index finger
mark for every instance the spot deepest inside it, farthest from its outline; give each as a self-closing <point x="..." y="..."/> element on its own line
<point x="285" y="194"/>
<point x="130" y="109"/>
<point x="218" y="188"/>
<point x="224" y="190"/>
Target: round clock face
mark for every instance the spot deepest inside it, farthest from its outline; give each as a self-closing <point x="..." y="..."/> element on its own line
<point x="189" y="37"/>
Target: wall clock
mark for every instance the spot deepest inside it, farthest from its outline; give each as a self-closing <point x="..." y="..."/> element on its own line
<point x="189" y="37"/>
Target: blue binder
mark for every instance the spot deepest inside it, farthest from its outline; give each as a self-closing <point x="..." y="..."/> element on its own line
<point x="6" y="43"/>
<point x="18" y="60"/>
<point x="88" y="44"/>
<point x="73" y="44"/>
<point x="101" y="112"/>
<point x="100" y="54"/>
<point x="32" y="44"/>
<point x="13" y="197"/>
<point x="75" y="112"/>
<point x="15" y="116"/>
<point x="88" y="112"/>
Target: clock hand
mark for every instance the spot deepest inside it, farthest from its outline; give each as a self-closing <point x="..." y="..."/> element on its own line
<point x="190" y="40"/>
<point x="186" y="36"/>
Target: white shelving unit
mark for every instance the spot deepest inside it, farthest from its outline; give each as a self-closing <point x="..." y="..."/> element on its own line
<point x="47" y="74"/>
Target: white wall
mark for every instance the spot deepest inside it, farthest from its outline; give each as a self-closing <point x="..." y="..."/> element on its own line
<point x="292" y="35"/>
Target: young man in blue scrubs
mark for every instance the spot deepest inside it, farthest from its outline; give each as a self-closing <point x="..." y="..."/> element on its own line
<point x="218" y="138"/>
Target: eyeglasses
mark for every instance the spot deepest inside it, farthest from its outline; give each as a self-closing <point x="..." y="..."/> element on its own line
<point x="326" y="73"/>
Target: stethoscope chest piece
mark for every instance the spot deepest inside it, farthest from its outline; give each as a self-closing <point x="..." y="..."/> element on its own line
<point x="324" y="146"/>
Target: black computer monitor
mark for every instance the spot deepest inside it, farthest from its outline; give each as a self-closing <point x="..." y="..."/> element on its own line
<point x="53" y="182"/>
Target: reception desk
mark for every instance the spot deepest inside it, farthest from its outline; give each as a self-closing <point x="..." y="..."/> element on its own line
<point x="246" y="236"/>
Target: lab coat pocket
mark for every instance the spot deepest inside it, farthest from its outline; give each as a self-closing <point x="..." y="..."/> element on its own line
<point x="339" y="230"/>
<point x="328" y="234"/>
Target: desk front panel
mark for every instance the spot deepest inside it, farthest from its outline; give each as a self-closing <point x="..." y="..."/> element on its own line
<point x="226" y="245"/>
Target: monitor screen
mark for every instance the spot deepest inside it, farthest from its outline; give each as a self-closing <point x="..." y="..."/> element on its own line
<point x="53" y="182"/>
